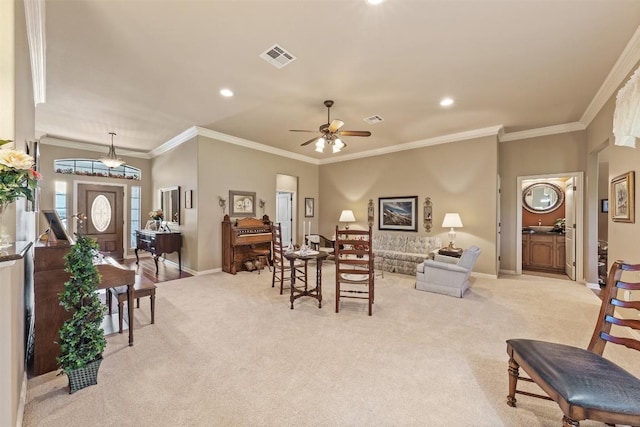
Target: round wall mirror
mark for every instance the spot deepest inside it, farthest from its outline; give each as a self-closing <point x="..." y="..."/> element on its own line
<point x="542" y="197"/>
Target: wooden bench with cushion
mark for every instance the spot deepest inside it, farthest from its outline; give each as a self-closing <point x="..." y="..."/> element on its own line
<point x="582" y="382"/>
<point x="142" y="288"/>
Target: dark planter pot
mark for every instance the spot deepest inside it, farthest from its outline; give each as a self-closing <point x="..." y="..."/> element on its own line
<point x="84" y="377"/>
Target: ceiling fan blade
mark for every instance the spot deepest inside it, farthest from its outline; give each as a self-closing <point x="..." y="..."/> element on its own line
<point x="335" y="125"/>
<point x="309" y="141"/>
<point x="300" y="130"/>
<point x="355" y="133"/>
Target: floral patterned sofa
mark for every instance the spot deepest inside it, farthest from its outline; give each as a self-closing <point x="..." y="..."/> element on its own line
<point x="401" y="253"/>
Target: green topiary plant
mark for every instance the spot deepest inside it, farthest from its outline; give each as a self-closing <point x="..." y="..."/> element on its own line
<point x="81" y="337"/>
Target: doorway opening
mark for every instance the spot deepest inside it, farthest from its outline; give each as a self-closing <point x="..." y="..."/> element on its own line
<point x="551" y="253"/>
<point x="603" y="215"/>
<point x="286" y="195"/>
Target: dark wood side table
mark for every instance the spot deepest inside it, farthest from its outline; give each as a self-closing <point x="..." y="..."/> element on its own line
<point x="158" y="243"/>
<point x="316" y="292"/>
<point x="454" y="252"/>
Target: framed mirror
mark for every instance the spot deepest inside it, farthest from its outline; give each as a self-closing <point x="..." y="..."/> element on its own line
<point x="170" y="204"/>
<point x="542" y="197"/>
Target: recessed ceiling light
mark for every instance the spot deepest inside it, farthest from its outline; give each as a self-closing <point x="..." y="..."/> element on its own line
<point x="226" y="92"/>
<point x="446" y="102"/>
<point x="374" y="1"/>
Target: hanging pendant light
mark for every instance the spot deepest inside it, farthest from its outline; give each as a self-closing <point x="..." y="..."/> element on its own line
<point x="111" y="160"/>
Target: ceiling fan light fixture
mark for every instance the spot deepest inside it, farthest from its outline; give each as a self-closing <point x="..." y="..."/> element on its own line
<point x="111" y="160"/>
<point x="338" y="145"/>
<point x="320" y="145"/>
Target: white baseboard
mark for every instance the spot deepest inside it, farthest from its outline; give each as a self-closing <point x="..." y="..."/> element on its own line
<point x="484" y="275"/>
<point x="23" y="400"/>
<point x="214" y="270"/>
<point x="595" y="286"/>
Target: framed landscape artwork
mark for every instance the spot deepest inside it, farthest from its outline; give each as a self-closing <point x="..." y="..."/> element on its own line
<point x="242" y="203"/>
<point x="398" y="213"/>
<point x="622" y="196"/>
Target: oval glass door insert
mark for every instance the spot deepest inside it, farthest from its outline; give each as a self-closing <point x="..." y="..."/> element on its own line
<point x="101" y="213"/>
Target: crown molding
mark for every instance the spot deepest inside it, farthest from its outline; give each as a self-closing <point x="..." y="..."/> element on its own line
<point x="79" y="145"/>
<point x="177" y="140"/>
<point x="195" y="131"/>
<point x="36" y="36"/>
<point x="629" y="57"/>
<point x="460" y="136"/>
<point x="255" y="145"/>
<point x="549" y="130"/>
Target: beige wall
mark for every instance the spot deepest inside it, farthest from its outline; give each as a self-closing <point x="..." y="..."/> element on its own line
<point x="621" y="236"/>
<point x="179" y="167"/>
<point x="551" y="154"/>
<point x="459" y="177"/>
<point x="211" y="168"/>
<point x="16" y="123"/>
<point x="49" y="153"/>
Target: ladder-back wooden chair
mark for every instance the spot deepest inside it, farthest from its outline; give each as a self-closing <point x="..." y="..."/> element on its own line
<point x="354" y="266"/>
<point x="281" y="265"/>
<point x="586" y="385"/>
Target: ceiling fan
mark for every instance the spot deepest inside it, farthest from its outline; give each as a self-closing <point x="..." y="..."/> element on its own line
<point x="331" y="133"/>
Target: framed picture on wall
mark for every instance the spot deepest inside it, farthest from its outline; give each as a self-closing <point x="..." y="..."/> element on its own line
<point x="242" y="203"/>
<point x="623" y="193"/>
<point x="398" y="213"/>
<point x="308" y="207"/>
<point x="604" y="205"/>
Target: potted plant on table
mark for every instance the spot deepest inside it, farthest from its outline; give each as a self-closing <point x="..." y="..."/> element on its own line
<point x="81" y="337"/>
<point x="157" y="216"/>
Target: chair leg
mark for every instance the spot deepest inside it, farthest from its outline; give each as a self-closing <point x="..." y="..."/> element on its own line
<point x="109" y="300"/>
<point x="153" y="308"/>
<point x="282" y="273"/>
<point x="337" y="297"/>
<point x="514" y="373"/>
<point x="137" y="302"/>
<point x="120" y="309"/>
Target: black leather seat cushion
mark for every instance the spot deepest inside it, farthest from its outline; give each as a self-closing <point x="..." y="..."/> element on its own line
<point x="581" y="377"/>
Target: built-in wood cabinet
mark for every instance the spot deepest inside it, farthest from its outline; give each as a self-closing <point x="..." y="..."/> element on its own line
<point x="543" y="251"/>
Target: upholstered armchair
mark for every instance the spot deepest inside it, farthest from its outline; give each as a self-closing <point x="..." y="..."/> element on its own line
<point x="447" y="275"/>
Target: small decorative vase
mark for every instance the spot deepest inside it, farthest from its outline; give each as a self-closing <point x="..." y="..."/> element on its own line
<point x="158" y="224"/>
<point x="4" y="236"/>
<point x="84" y="377"/>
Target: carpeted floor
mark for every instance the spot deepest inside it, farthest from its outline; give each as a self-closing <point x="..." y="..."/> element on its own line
<point x="227" y="350"/>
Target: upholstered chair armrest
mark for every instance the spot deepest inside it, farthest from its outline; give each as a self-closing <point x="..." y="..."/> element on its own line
<point x="420" y="267"/>
<point x="443" y="266"/>
<point x="445" y="258"/>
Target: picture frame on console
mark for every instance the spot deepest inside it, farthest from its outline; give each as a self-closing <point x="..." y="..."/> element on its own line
<point x="242" y="203"/>
<point x="622" y="193"/>
<point x="398" y="213"/>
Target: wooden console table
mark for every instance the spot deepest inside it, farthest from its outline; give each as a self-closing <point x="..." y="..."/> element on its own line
<point x="158" y="243"/>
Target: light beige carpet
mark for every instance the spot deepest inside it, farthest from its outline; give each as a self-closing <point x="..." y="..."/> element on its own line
<point x="227" y="351"/>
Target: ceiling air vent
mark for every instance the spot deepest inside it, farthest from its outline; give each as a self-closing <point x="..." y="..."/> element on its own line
<point x="277" y="56"/>
<point x="373" y="119"/>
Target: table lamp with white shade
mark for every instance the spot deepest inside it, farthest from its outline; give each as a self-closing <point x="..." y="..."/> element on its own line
<point x="453" y="221"/>
<point x="347" y="216"/>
